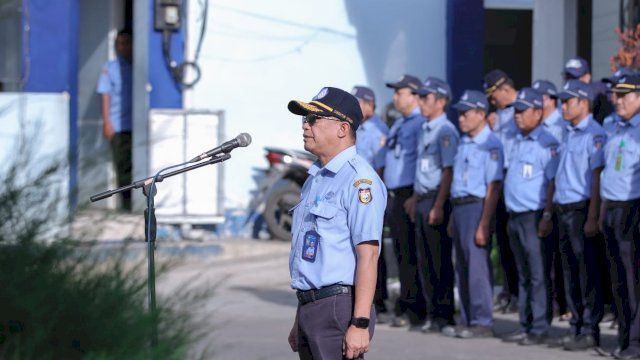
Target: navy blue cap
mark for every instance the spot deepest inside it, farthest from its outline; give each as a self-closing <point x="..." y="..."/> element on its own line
<point x="363" y="93"/>
<point x="528" y="98"/>
<point x="406" y="81"/>
<point x="626" y="84"/>
<point x="330" y="101"/>
<point x="472" y="99"/>
<point x="434" y="85"/>
<point x="576" y="88"/>
<point x="622" y="71"/>
<point x="575" y="67"/>
<point x="545" y="87"/>
<point x="493" y="80"/>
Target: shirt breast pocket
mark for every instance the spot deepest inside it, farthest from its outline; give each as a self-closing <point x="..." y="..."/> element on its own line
<point x="326" y="221"/>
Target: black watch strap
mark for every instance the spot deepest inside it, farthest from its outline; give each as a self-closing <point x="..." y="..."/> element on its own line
<point x="360" y="322"/>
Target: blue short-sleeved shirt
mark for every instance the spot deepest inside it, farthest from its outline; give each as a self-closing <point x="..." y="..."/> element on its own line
<point x="609" y="123"/>
<point x="555" y="124"/>
<point x="581" y="152"/>
<point x="437" y="147"/>
<point x="534" y="161"/>
<point x="478" y="162"/>
<point x="344" y="203"/>
<point x="505" y="129"/>
<point x="371" y="144"/>
<point x="115" y="80"/>
<point x="620" y="178"/>
<point x="402" y="154"/>
<point x="375" y="119"/>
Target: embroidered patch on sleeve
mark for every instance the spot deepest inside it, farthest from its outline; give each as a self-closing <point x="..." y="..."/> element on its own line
<point x="364" y="195"/>
<point x="362" y="181"/>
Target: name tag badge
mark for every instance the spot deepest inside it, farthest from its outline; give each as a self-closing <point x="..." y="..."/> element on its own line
<point x="527" y="170"/>
<point x="424" y="165"/>
<point x="310" y="246"/>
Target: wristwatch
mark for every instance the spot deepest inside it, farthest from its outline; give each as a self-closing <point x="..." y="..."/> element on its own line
<point x="546" y="215"/>
<point x="360" y="322"/>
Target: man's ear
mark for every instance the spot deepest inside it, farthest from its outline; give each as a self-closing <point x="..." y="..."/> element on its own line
<point x="343" y="129"/>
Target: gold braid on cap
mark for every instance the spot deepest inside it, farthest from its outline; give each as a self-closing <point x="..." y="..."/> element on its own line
<point x="332" y="110"/>
<point x="495" y="86"/>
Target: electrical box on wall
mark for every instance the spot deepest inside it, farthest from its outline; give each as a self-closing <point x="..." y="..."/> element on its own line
<point x="167" y="15"/>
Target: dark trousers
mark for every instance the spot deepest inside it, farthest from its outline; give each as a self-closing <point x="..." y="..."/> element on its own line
<point x="322" y="325"/>
<point x="623" y="240"/>
<point x="581" y="277"/>
<point x="472" y="267"/>
<point x="411" y="301"/>
<point x="507" y="259"/>
<point x="435" y="262"/>
<point x="529" y="252"/>
<point x="121" y="147"/>
<point x="554" y="273"/>
<point x="381" y="293"/>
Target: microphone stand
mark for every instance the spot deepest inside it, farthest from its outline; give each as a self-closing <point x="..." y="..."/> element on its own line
<point x="149" y="190"/>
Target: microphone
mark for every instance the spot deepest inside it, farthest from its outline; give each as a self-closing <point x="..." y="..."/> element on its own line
<point x="241" y="140"/>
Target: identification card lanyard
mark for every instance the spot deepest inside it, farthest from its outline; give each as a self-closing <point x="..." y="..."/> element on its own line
<point x="619" y="156"/>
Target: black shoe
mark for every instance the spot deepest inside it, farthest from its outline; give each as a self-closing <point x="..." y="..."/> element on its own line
<point x="501" y="304"/>
<point x="532" y="339"/>
<point x="581" y="342"/>
<point x="512" y="307"/>
<point x="474" y="332"/>
<point x="515" y="337"/>
<point x="627" y="354"/>
<point x="559" y="342"/>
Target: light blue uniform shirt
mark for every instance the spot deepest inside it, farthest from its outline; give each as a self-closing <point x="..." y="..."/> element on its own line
<point x="437" y="147"/>
<point x="580" y="153"/>
<point x="478" y="163"/>
<point x="344" y="203"/>
<point x="115" y="81"/>
<point x="534" y="161"/>
<point x="555" y="124"/>
<point x="609" y="123"/>
<point x="402" y="154"/>
<point x="620" y="178"/>
<point x="505" y="129"/>
<point x="375" y="119"/>
<point x="370" y="144"/>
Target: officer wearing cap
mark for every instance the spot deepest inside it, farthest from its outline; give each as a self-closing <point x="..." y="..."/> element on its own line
<point x="577" y="200"/>
<point x="551" y="115"/>
<point x="429" y="205"/>
<point x="371" y="144"/>
<point x="620" y="191"/>
<point x="336" y="232"/>
<point x="399" y="176"/>
<point x="577" y="68"/>
<point x="527" y="191"/>
<point x="371" y="135"/>
<point x="609" y="122"/>
<point x="477" y="178"/>
<point x="499" y="87"/>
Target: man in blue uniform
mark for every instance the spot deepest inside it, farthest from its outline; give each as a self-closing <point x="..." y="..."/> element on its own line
<point x="620" y="191"/>
<point x="371" y="139"/>
<point x="551" y="115"/>
<point x="499" y="87"/>
<point x="336" y="232"/>
<point x="114" y="85"/>
<point x="577" y="199"/>
<point x="371" y="136"/>
<point x="528" y="193"/>
<point x="429" y="205"/>
<point x="609" y="122"/>
<point x="399" y="175"/>
<point x="477" y="178"/>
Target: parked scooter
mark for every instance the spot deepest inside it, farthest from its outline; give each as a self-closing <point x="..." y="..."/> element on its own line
<point x="278" y="191"/>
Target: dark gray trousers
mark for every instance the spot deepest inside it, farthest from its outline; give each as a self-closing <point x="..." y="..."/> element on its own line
<point x="322" y="325"/>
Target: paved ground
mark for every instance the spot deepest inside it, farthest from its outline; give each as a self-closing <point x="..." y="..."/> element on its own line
<point x="251" y="311"/>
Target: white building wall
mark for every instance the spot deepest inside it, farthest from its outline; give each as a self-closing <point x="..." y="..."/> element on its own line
<point x="605" y="40"/>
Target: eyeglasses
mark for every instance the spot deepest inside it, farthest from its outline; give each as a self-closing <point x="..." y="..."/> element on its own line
<point x="312" y="118"/>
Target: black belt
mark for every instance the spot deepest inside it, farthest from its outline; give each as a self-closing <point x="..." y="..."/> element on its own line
<point x="404" y="191"/>
<point x="307" y="296"/>
<point x="563" y="208"/>
<point x="610" y="204"/>
<point x="465" y="200"/>
<point x="427" y="195"/>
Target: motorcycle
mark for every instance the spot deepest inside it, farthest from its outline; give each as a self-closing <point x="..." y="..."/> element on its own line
<point x="278" y="191"/>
